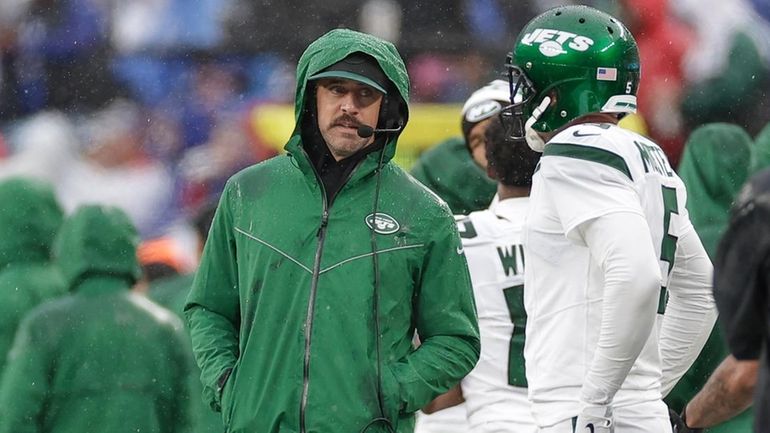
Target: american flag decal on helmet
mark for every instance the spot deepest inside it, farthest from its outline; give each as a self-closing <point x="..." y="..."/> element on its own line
<point x="606" y="74"/>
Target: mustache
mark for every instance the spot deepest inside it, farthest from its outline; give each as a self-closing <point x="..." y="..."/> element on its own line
<point x="347" y="120"/>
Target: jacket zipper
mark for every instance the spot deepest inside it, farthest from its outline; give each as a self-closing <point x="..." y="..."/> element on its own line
<point x="321" y="234"/>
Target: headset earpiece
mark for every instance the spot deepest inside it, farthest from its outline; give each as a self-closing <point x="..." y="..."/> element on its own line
<point x="391" y="116"/>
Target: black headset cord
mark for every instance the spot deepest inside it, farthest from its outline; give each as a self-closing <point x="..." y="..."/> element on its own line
<point x="383" y="419"/>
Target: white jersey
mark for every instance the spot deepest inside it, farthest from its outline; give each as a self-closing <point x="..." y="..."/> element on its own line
<point x="590" y="170"/>
<point x="495" y="390"/>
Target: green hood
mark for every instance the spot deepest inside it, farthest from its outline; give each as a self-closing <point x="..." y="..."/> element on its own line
<point x="760" y="153"/>
<point x="335" y="46"/>
<point x="30" y="216"/>
<point x="449" y="170"/>
<point x="97" y="240"/>
<point x="714" y="167"/>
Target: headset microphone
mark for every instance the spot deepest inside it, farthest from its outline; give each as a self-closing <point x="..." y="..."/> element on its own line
<point x="367" y="131"/>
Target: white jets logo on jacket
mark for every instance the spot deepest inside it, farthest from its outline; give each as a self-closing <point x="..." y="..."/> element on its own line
<point x="552" y="41"/>
<point x="381" y="223"/>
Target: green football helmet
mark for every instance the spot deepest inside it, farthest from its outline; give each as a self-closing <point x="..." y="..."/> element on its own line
<point x="568" y="62"/>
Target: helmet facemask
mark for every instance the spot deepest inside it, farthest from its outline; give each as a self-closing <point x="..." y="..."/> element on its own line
<point x="516" y="118"/>
<point x="522" y="92"/>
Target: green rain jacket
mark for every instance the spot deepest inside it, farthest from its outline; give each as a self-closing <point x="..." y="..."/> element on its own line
<point x="101" y="359"/>
<point x="449" y="170"/>
<point x="714" y="166"/>
<point x="285" y="294"/>
<point x="29" y="219"/>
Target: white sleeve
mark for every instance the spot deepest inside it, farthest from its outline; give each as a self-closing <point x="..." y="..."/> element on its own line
<point x="620" y="243"/>
<point x="691" y="311"/>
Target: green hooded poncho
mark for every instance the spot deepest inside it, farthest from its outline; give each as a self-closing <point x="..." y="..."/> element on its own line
<point x="29" y="219"/>
<point x="101" y="359"/>
<point x="282" y="312"/>
<point x="714" y="167"/>
<point x="449" y="170"/>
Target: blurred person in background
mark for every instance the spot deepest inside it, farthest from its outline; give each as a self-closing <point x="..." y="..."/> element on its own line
<point x="204" y="169"/>
<point x="29" y="219"/>
<point x="663" y="42"/>
<point x="101" y="358"/>
<point x="741" y="287"/>
<point x="730" y="389"/>
<point x="170" y="26"/>
<point x="61" y="57"/>
<point x="115" y="169"/>
<point x="172" y="291"/>
<point x="216" y="90"/>
<point x="727" y="69"/>
<point x="455" y="169"/>
<point x="714" y="167"/>
<point x="159" y="259"/>
<point x="43" y="146"/>
<point x="331" y="246"/>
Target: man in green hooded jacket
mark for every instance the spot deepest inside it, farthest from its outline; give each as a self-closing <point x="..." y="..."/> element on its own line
<point x="322" y="263"/>
<point x="29" y="219"/>
<point x="102" y="358"/>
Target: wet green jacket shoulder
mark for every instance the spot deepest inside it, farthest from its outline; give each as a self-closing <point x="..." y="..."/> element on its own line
<point x="29" y="219"/>
<point x="449" y="170"/>
<point x="100" y="358"/>
<point x="714" y="166"/>
<point x="285" y="294"/>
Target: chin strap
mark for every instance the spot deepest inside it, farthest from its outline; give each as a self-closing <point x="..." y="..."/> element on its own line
<point x="534" y="140"/>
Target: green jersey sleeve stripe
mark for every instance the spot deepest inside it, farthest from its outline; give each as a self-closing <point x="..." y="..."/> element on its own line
<point x="588" y="153"/>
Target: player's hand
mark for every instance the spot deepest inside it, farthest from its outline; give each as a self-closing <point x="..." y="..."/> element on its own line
<point x="595" y="419"/>
<point x="679" y="424"/>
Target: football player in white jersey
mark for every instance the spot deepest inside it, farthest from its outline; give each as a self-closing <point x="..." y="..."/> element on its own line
<point x="608" y="240"/>
<point x="495" y="391"/>
<point x="477" y="113"/>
